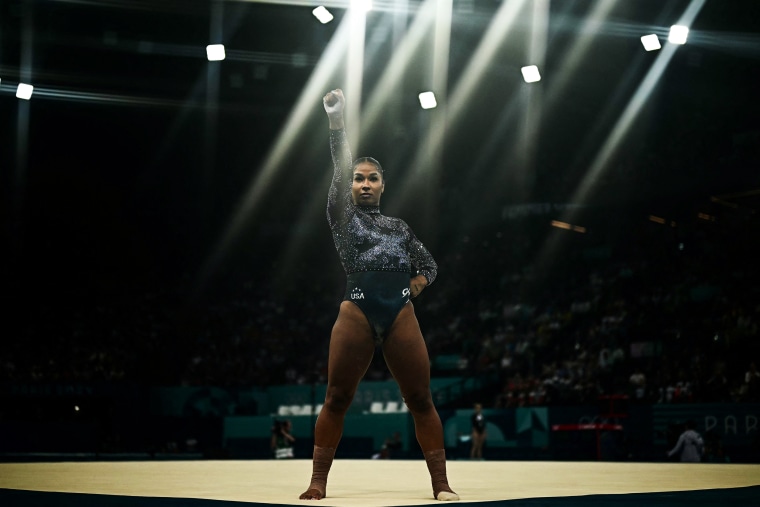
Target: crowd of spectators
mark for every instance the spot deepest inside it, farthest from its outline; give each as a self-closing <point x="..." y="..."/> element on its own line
<point x="662" y="312"/>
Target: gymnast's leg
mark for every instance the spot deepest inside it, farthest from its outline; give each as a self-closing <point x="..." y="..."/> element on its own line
<point x="351" y="351"/>
<point x="406" y="355"/>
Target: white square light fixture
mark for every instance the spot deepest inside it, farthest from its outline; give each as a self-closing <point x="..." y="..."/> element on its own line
<point x="24" y="91"/>
<point x="531" y="74"/>
<point x="678" y="34"/>
<point x="322" y="14"/>
<point x="427" y="100"/>
<point x="651" y="42"/>
<point x="215" y="52"/>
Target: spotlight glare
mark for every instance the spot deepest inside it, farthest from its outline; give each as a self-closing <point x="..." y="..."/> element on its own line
<point x="651" y="42"/>
<point x="215" y="52"/>
<point x="678" y="34"/>
<point x="531" y="74"/>
<point x="365" y="5"/>
<point x="322" y="14"/>
<point x="24" y="91"/>
<point x="427" y="100"/>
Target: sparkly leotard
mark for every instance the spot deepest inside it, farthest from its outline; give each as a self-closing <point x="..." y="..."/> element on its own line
<point x="379" y="254"/>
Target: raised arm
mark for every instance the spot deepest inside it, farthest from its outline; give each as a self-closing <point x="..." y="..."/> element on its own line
<point x="335" y="103"/>
<point x="339" y="195"/>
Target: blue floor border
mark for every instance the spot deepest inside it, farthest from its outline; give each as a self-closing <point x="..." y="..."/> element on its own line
<point x="732" y="497"/>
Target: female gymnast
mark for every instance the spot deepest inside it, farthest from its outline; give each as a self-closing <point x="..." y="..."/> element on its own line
<point x="386" y="266"/>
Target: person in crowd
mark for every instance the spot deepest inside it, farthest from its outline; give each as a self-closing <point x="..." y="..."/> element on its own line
<point x="690" y="445"/>
<point x="386" y="266"/>
<point x="479" y="433"/>
<point x="638" y="382"/>
<point x="751" y="387"/>
<point x="394" y="444"/>
<point x="383" y="453"/>
<point x="282" y="439"/>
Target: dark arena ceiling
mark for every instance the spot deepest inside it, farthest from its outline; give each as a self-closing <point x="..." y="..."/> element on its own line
<point x="136" y="158"/>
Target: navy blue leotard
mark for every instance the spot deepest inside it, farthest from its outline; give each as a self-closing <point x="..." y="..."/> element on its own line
<point x="379" y="254"/>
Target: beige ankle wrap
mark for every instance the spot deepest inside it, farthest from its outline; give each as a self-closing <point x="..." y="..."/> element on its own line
<point x="436" y="463"/>
<point x="323" y="458"/>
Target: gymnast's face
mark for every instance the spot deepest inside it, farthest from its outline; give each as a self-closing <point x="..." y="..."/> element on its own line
<point x="368" y="185"/>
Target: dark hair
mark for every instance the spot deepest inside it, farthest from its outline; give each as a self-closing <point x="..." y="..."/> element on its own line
<point x="371" y="161"/>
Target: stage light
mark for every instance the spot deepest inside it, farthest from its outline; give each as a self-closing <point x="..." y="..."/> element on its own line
<point x="427" y="100"/>
<point x="678" y="34"/>
<point x="705" y="216"/>
<point x="651" y="42"/>
<point x="362" y="4"/>
<point x="24" y="91"/>
<point x="215" y="52"/>
<point x="531" y="74"/>
<point x="322" y="14"/>
<point x="569" y="227"/>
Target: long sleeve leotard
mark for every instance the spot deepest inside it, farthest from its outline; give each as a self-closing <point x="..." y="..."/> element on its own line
<point x="365" y="239"/>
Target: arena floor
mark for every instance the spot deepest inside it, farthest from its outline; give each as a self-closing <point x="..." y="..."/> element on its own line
<point x="376" y="483"/>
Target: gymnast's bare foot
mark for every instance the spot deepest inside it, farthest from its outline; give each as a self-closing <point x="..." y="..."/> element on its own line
<point x="446" y="495"/>
<point x="312" y="494"/>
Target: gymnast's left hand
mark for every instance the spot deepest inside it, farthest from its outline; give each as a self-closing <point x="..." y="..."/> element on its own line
<point x="417" y="285"/>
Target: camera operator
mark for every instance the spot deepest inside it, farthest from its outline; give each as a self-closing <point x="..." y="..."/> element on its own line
<point x="282" y="441"/>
